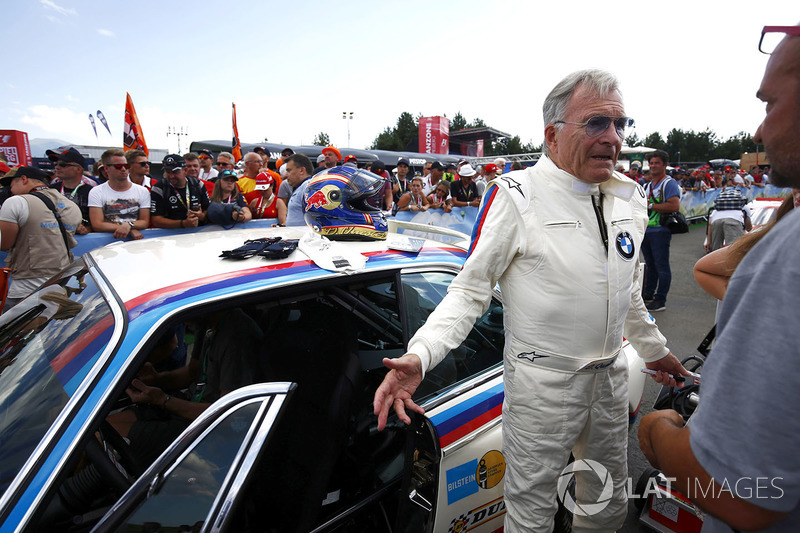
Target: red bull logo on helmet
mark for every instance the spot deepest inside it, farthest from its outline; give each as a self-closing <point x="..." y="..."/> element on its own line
<point x="328" y="197"/>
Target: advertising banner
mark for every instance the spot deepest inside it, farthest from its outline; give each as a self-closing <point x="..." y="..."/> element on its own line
<point x="434" y="135"/>
<point x="15" y="147"/>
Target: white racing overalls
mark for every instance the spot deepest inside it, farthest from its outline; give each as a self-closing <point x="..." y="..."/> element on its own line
<point x="567" y="300"/>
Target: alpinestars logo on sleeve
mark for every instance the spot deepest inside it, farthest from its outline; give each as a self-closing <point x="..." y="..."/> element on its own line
<point x="513" y="184"/>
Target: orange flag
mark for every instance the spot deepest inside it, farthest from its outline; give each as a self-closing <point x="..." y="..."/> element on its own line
<point x="237" y="146"/>
<point x="132" y="136"/>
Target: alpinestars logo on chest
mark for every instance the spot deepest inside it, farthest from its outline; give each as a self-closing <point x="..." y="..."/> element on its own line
<point x="513" y="184"/>
<point x="624" y="245"/>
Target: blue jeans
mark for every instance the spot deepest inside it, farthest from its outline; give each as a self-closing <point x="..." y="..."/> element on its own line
<point x="655" y="248"/>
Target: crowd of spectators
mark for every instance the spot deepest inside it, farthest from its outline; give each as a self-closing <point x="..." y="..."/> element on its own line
<point x="704" y="177"/>
<point x="192" y="182"/>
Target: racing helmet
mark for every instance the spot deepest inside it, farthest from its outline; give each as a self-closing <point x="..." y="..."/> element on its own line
<point x="343" y="203"/>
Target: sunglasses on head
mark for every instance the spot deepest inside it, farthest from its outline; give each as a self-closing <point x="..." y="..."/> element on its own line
<point x="598" y="125"/>
<point x="119" y="166"/>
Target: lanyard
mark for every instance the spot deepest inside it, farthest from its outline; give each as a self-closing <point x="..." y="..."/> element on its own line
<point x="186" y="203"/>
<point x="262" y="205"/>
<point x="467" y="191"/>
<point x="74" y="191"/>
<point x="601" y="221"/>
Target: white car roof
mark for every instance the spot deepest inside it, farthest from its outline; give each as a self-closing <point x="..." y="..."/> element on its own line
<point x="138" y="268"/>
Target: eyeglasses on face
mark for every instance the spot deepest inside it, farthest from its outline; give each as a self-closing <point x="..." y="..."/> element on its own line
<point x="598" y="125"/>
<point x="771" y="36"/>
<point x="119" y="166"/>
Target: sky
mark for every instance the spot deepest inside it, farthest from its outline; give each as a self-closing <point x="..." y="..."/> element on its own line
<point x="293" y="68"/>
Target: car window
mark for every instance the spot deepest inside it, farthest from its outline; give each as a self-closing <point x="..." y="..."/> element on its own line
<point x="48" y="343"/>
<point x="185" y="497"/>
<point x="482" y="349"/>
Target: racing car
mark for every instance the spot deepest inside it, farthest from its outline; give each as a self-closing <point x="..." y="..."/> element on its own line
<point x="295" y="449"/>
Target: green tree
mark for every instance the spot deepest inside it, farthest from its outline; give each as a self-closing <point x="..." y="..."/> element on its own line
<point x="676" y="144"/>
<point x="322" y="139"/>
<point x="477" y="123"/>
<point x="402" y="137"/>
<point x="458" y="122"/>
<point x="510" y="145"/>
<point x="654" y="140"/>
<point x="632" y="140"/>
<point x="735" y="146"/>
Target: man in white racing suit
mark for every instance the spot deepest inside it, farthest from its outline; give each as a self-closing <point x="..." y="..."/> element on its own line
<point x="562" y="239"/>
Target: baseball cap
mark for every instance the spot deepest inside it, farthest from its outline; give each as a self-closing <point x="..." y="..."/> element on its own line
<point x="320" y="158"/>
<point x="173" y="162"/>
<point x="437" y="166"/>
<point x="491" y="167"/>
<point x="70" y="155"/>
<point x="404" y="161"/>
<point x="333" y="149"/>
<point x="352" y="158"/>
<point x="205" y="152"/>
<point x="258" y="149"/>
<point x="377" y="166"/>
<point x="29" y="172"/>
<point x="264" y="181"/>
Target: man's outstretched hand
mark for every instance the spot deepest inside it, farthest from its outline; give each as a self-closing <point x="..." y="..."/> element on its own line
<point x="405" y="375"/>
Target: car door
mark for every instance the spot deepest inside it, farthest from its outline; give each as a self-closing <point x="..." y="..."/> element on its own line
<point x="194" y="485"/>
<point x="454" y="465"/>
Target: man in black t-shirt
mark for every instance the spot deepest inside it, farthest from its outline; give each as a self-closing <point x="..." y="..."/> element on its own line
<point x="177" y="201"/>
<point x="463" y="191"/>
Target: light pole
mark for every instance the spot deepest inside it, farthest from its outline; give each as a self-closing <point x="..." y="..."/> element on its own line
<point x="172" y="130"/>
<point x="348" y="116"/>
<point x="678" y="153"/>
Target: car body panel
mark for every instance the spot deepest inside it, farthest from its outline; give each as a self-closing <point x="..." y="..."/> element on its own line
<point x="472" y="469"/>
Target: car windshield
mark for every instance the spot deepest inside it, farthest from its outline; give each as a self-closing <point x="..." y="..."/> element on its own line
<point x="48" y="343"/>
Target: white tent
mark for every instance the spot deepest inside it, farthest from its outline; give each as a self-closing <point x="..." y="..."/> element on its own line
<point x="636" y="150"/>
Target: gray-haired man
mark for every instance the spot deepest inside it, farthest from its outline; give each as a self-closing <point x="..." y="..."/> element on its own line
<point x="571" y="291"/>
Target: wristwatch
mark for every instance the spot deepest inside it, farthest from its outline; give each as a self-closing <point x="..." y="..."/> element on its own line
<point x="132" y="224"/>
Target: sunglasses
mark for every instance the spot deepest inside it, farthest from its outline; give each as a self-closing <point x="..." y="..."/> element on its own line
<point x="203" y="156"/>
<point x="598" y="125"/>
<point x="219" y="164"/>
<point x="771" y="36"/>
<point x="119" y="166"/>
<point x="62" y="164"/>
<point x="143" y="163"/>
